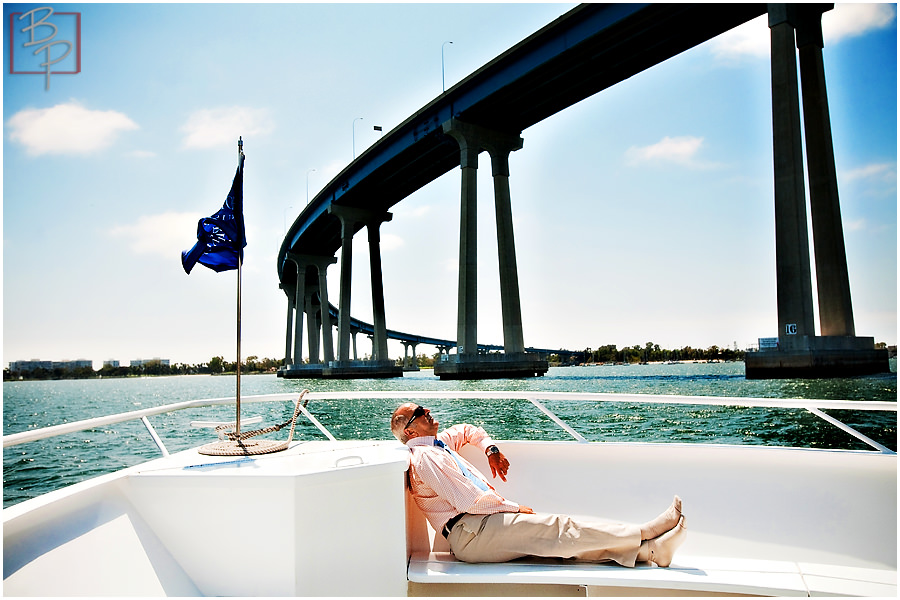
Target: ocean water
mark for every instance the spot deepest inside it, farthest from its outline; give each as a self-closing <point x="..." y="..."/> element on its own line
<point x="38" y="467"/>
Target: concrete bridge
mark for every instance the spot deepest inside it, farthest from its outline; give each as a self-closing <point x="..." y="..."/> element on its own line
<point x="583" y="52"/>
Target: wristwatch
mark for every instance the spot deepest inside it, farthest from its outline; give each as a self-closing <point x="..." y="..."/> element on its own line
<point x="492" y="449"/>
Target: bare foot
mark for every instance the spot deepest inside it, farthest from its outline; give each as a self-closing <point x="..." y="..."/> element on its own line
<point x="662" y="549"/>
<point x="663" y="523"/>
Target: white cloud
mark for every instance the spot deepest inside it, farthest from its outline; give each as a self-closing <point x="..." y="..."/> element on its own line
<point x="844" y="21"/>
<point x="878" y="180"/>
<point x="164" y="235"/>
<point x="749" y="39"/>
<point x="213" y="127"/>
<point x="418" y="212"/>
<point x="142" y="154"/>
<point x="857" y="225"/>
<point x="680" y="150"/>
<point x="390" y="241"/>
<point x="67" y="129"/>
<point x="450" y="265"/>
<point x="327" y="173"/>
<point x="849" y="20"/>
<point x="879" y="171"/>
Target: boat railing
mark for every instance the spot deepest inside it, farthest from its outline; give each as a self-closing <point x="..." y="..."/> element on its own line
<point x="815" y="407"/>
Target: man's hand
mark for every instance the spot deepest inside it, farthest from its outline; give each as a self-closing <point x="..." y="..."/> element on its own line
<point x="525" y="510"/>
<point x="499" y="465"/>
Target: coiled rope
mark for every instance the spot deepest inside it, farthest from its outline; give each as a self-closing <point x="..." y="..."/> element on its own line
<point x="232" y="444"/>
<point x="272" y="428"/>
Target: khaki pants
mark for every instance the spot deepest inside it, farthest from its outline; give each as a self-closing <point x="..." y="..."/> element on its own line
<point x="506" y="536"/>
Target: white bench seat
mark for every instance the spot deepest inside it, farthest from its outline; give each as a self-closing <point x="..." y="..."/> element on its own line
<point x="701" y="574"/>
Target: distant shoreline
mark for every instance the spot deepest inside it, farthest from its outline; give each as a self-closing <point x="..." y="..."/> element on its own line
<point x="10" y="377"/>
<point x="695" y="361"/>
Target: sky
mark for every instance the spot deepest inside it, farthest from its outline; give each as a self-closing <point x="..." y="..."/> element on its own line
<point x="642" y="214"/>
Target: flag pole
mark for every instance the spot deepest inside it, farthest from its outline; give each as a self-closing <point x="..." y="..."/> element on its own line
<point x="226" y="241"/>
<point x="240" y="260"/>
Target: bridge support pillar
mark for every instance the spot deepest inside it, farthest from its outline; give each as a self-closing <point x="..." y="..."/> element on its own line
<point x="303" y="301"/>
<point x="795" y="312"/>
<point x="472" y="139"/>
<point x="290" y="325"/>
<point x="299" y="296"/>
<point x="313" y="326"/>
<point x="351" y="220"/>
<point x="513" y="339"/>
<point x="410" y="364"/>
<point x="327" y="333"/>
<point x="467" y="300"/>
<point x="379" y="341"/>
<point x="832" y="277"/>
<point x="800" y="353"/>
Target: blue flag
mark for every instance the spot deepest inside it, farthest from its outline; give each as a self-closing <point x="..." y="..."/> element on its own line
<point x="220" y="238"/>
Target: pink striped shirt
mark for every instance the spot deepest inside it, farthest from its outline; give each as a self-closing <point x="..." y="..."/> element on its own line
<point x="439" y="487"/>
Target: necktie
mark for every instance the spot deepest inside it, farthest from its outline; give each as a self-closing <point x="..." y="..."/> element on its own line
<point x="475" y="479"/>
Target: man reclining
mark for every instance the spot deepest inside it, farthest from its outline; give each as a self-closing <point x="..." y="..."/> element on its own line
<point x="483" y="526"/>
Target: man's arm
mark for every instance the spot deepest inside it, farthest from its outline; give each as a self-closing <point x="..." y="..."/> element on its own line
<point x="459" y="435"/>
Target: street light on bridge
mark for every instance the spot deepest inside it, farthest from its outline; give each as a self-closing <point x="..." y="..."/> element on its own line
<point x="354" y="135"/>
<point x="285" y="218"/>
<point x="443" y="84"/>
<point x="307" y="184"/>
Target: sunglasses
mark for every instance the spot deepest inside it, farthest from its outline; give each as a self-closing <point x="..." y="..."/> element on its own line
<point x="416" y="414"/>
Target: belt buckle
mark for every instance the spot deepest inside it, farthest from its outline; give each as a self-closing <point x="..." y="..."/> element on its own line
<point x="448" y="526"/>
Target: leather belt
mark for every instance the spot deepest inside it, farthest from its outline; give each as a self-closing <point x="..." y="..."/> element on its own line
<point x="448" y="526"/>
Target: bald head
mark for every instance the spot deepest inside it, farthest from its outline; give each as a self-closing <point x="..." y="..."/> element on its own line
<point x="411" y="420"/>
<point x="399" y="418"/>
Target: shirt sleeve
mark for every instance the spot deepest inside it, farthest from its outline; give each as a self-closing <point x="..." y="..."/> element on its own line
<point x="459" y="435"/>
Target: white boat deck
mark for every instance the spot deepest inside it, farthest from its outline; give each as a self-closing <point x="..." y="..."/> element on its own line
<point x="332" y="518"/>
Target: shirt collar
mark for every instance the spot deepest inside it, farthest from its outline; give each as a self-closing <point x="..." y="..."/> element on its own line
<point x="422" y="440"/>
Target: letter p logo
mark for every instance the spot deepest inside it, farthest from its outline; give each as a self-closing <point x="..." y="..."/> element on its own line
<point x="43" y="43"/>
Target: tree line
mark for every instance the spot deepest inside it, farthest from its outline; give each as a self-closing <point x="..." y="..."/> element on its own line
<point x="216" y="365"/>
<point x="651" y="352"/>
<point x="610" y="353"/>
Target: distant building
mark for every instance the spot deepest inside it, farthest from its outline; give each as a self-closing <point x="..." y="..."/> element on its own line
<point x="30" y="365"/>
<point x="35" y="363"/>
<point x="111" y="363"/>
<point x="76" y="364"/>
<point x="138" y="362"/>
